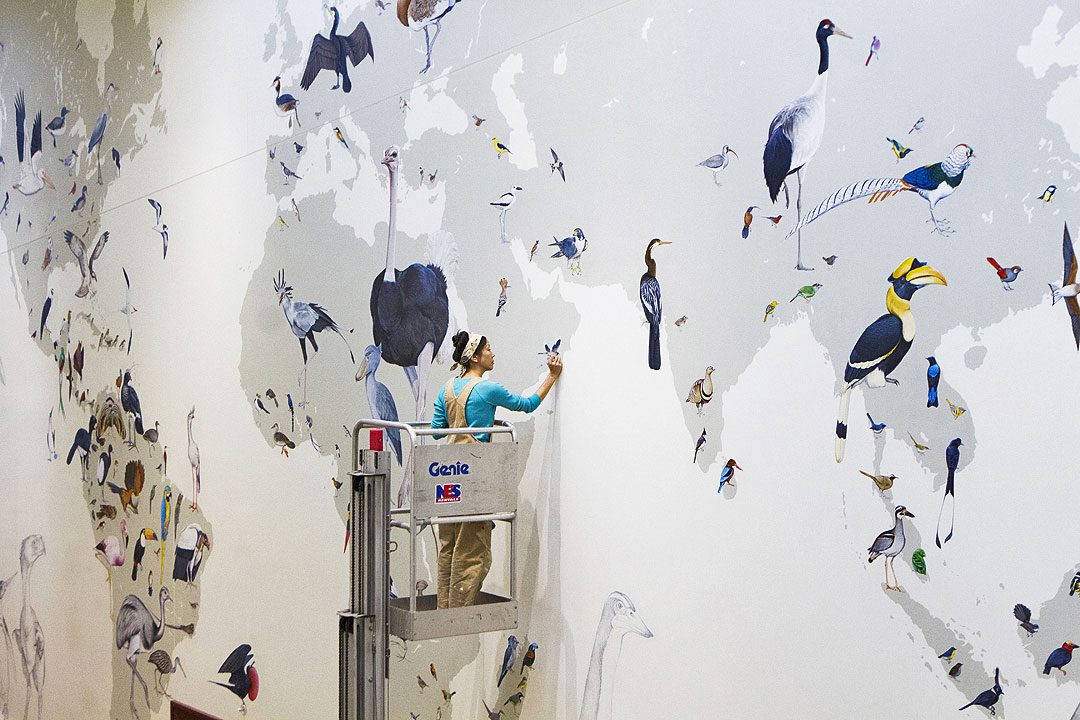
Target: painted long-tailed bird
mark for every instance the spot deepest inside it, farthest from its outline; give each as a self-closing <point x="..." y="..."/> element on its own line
<point x="933" y="377"/>
<point x="336" y="52"/>
<point x="883" y="482"/>
<point x="32" y="178"/>
<point x="947" y="514"/>
<point x="988" y="698"/>
<point x="890" y="544"/>
<point x="702" y="439"/>
<point x="508" y="658"/>
<point x="1059" y="658"/>
<point x="933" y="183"/>
<point x="1070" y="286"/>
<point x="380" y="400"/>
<point x="243" y="677"/>
<point x="876" y="427"/>
<point x="1007" y="275"/>
<point x="420" y="15"/>
<point x="649" y="292"/>
<point x="795" y="133"/>
<point x="1023" y="614"/>
<point x="886" y="341"/>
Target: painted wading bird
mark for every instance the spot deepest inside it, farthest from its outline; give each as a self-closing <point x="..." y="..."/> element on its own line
<point x="796" y="131"/>
<point x="933" y="183"/>
<point x="284" y="104"/>
<point x="422" y="15"/>
<point x="1070" y="286"/>
<point x="193" y="459"/>
<point x="701" y="391"/>
<point x="336" y="53"/>
<point x="885" y="342"/>
<point x="504" y="203"/>
<point x="137" y="630"/>
<point x="32" y="178"/>
<point x="718" y="162"/>
<point x="649" y="291"/>
<point x="380" y="400"/>
<point x="1007" y="275"/>
<point x="112" y="549"/>
<point x="947" y="514"/>
<point x="96" y="137"/>
<point x="410" y="309"/>
<point x="890" y="544"/>
<point x="243" y="678"/>
<point x="988" y="698"/>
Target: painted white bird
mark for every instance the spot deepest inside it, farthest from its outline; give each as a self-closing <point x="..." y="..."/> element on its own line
<point x="33" y="178"/>
<point x="796" y="131"/>
<point x="718" y="162"/>
<point x="504" y="203"/>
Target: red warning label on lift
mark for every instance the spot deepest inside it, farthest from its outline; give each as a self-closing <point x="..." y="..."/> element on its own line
<point x="448" y="493"/>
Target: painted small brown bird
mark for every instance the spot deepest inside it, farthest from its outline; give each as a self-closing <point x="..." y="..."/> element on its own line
<point x="883" y="482"/>
<point x="533" y="251"/>
<point x="134" y="478"/>
<point x="681" y="321"/>
<point x="433" y="673"/>
<point x="954" y="671"/>
<point x="701" y="391"/>
<point x="918" y="445"/>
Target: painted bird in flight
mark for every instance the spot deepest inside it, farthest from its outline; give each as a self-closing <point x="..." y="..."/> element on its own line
<point x="1006" y="274"/>
<point x="899" y="149"/>
<point x="557" y="164"/>
<point x="875" y="45"/>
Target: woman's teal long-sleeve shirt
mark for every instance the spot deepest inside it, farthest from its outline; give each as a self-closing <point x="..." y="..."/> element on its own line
<point x="480" y="407"/>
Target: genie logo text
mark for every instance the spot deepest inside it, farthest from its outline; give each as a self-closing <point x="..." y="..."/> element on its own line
<point x="448" y="493"/>
<point x="436" y="469"/>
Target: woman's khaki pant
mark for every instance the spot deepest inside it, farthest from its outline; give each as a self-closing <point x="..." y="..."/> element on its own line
<point x="464" y="561"/>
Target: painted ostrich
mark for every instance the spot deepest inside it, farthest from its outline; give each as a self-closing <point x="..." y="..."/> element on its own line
<point x="28" y="636"/>
<point x="136" y="632"/>
<point x="618" y="618"/>
<point x="410" y="311"/>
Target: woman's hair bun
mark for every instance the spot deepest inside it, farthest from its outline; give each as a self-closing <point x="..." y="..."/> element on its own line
<point x="460" y="340"/>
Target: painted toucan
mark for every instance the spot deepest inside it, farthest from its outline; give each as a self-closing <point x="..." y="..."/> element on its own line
<point x="887" y="340"/>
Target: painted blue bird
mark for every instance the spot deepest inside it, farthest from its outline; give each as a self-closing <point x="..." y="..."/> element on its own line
<point x="379" y="398"/>
<point x="649" y="291"/>
<point x="952" y="460"/>
<point x="885" y="342"/>
<point x="56" y="125"/>
<point x="727" y="475"/>
<point x="933" y="183"/>
<point x="947" y="656"/>
<point x="292" y="413"/>
<point x="1059" y="658"/>
<point x="568" y="247"/>
<point x="80" y="202"/>
<point x="988" y="698"/>
<point x="166" y="518"/>
<point x="933" y="377"/>
<point x="875" y="426"/>
<point x="508" y="657"/>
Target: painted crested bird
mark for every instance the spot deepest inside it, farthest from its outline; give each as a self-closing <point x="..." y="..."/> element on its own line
<point x="508" y="657"/>
<point x="618" y="619"/>
<point x="1059" y="658"/>
<point x="282" y="440"/>
<point x="747" y="218"/>
<point x="883" y="482"/>
<point x="988" y="698"/>
<point x="1048" y="193"/>
<point x="56" y="126"/>
<point x="875" y="426"/>
<point x="890" y="544"/>
<point x="96" y="137"/>
<point x="500" y="149"/>
<point x="702" y="439"/>
<point x="137" y="630"/>
<point x="1023" y="613"/>
<point x="701" y="392"/>
<point x="806" y="292"/>
<point x="875" y="45"/>
<point x="885" y="342"/>
<point x="85" y="260"/>
<point x="948" y="501"/>
<point x="420" y="15"/>
<point x="32" y="178"/>
<point x="795" y="133"/>
<point x="933" y="377"/>
<point x="410" y="308"/>
<point x="568" y="247"/>
<point x="145" y="535"/>
<point x="769" y="310"/>
<point x="503" y="285"/>
<point x="898" y="148"/>
<point x="649" y="292"/>
<point x="933" y="183"/>
<point x="336" y="53"/>
<point x="285" y="103"/>
<point x="1007" y="275"/>
<point x="243" y="677"/>
<point x="727" y="475"/>
<point x="504" y="203"/>
<point x="380" y="400"/>
<point x="557" y="164"/>
<point x="1070" y="286"/>
<point x="718" y="162"/>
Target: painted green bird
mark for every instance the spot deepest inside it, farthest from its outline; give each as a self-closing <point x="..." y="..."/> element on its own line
<point x="918" y="561"/>
<point x="807" y="292"/>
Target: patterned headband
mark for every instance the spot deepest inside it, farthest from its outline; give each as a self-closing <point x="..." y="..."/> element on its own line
<point x="467" y="353"/>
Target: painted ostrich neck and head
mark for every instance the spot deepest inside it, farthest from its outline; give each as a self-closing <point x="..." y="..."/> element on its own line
<point x="390" y="160"/>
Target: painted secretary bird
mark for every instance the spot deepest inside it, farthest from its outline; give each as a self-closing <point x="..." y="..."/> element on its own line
<point x="933" y="183"/>
<point x="336" y="53"/>
<point x="796" y="131"/>
<point x="305" y="319"/>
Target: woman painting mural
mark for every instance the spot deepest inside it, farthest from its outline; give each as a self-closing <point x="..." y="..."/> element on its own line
<point x="470" y="401"/>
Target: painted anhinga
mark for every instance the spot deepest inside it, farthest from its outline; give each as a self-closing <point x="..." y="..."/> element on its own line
<point x="886" y="341"/>
<point x="332" y="54"/>
<point x="796" y="131"/>
<point x="650" y="302"/>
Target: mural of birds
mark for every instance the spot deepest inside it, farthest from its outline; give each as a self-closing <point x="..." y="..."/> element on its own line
<point x="1048" y="193"/>
<point x="32" y="178"/>
<point x="875" y="426"/>
<point x="890" y="543"/>
<point x="500" y="149"/>
<point x="1070" y="286"/>
<point x="1023" y="614"/>
<point x="508" y="657"/>
<point x="875" y="45"/>
<point x="747" y="218"/>
<point x="380" y="400"/>
<point x="701" y="392"/>
<point x="769" y="310"/>
<point x="956" y="410"/>
<point x="424" y="15"/>
<point x="883" y="482"/>
<point x="898" y="148"/>
<point x="284" y="105"/>
<point x="243" y="677"/>
<point x="336" y="53"/>
<point x="1059" y="658"/>
<point x="557" y="164"/>
<point x="649" y="291"/>
<point x="727" y="474"/>
<point x="806" y="292"/>
<point x="988" y="698"/>
<point x="885" y="342"/>
<point x="1007" y="275"/>
<point x="699" y="444"/>
<point x="933" y="183"/>
<point x="504" y="203"/>
<point x="795" y="133"/>
<point x="503" y="285"/>
<point x="947" y="514"/>
<point x="718" y="162"/>
<point x="933" y="377"/>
